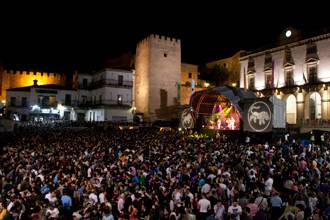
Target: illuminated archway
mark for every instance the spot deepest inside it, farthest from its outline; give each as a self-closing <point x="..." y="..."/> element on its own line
<point x="315" y="106"/>
<point x="291" y="109"/>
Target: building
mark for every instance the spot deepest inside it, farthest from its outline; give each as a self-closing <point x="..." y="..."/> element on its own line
<point x="231" y="64"/>
<point x="190" y="82"/>
<point x="10" y="79"/>
<point x="41" y="102"/>
<point x="158" y="69"/>
<point x="296" y="71"/>
<point x="106" y="95"/>
<point x="162" y="83"/>
<point x="102" y="96"/>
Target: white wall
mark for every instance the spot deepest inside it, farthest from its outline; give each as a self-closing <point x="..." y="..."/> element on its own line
<point x="298" y="53"/>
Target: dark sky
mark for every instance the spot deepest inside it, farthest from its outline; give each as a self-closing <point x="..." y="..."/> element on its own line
<point x="63" y="37"/>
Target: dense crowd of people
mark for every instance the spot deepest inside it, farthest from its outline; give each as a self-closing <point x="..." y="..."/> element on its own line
<point x="110" y="173"/>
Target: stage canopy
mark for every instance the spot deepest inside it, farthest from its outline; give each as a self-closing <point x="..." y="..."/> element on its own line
<point x="220" y="107"/>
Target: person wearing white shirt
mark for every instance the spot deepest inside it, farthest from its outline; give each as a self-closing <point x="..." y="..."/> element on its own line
<point x="269" y="184"/>
<point x="219" y="210"/>
<point x="52" y="212"/>
<point x="204" y="205"/>
<point x="93" y="198"/>
<point x="235" y="211"/>
<point x="102" y="197"/>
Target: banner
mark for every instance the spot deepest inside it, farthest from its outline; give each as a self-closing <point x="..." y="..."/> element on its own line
<point x="258" y="115"/>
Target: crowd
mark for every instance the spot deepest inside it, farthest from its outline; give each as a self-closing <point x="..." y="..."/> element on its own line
<point x="109" y="173"/>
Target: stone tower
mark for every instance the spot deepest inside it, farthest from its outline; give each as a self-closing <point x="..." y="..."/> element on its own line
<point x="157" y="73"/>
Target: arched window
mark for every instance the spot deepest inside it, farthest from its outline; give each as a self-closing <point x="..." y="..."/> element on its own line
<point x="291" y="110"/>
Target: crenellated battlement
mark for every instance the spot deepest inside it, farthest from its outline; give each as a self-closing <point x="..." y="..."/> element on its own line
<point x="159" y="39"/>
<point x="165" y="38"/>
<point x="29" y="72"/>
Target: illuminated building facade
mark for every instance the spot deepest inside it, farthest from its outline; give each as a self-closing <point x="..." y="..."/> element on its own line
<point x="41" y="103"/>
<point x="190" y="82"/>
<point x="10" y="79"/>
<point x="298" y="72"/>
<point x="158" y="69"/>
<point x="162" y="83"/>
<point x="106" y="95"/>
<point x="102" y="96"/>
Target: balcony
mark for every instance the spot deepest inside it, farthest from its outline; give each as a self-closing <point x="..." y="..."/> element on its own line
<point x="313" y="78"/>
<point x="109" y="103"/>
<point x="107" y="82"/>
<point x="289" y="82"/>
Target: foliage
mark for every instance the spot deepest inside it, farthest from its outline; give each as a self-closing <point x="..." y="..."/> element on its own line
<point x="220" y="75"/>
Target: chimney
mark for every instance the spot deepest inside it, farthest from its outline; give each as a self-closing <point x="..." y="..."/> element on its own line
<point x="35" y="82"/>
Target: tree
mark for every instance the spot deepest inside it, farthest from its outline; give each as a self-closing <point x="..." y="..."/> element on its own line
<point x="219" y="75"/>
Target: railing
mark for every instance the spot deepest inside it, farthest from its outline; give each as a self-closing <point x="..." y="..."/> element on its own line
<point x="26" y="105"/>
<point x="316" y="122"/>
<point x="110" y="102"/>
<point x="313" y="78"/>
<point x="107" y="82"/>
<point x="289" y="82"/>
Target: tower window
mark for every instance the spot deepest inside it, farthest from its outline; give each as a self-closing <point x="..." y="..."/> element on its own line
<point x="165" y="54"/>
<point x="119" y="99"/>
<point x="190" y="75"/>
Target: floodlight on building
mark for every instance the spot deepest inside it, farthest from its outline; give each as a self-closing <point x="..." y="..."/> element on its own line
<point x="233" y="84"/>
<point x="206" y="84"/>
<point x="3" y="102"/>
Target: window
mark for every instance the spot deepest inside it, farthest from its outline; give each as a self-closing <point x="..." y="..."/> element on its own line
<point x="268" y="80"/>
<point x="165" y="54"/>
<point x="268" y="59"/>
<point x="224" y="65"/>
<point x="120" y="80"/>
<point x="100" y="99"/>
<point x="84" y="99"/>
<point x="67" y="99"/>
<point x="24" y="101"/>
<point x="44" y="101"/>
<point x="289" y="77"/>
<point x="119" y="99"/>
<point x="312" y="73"/>
<point x="311" y="49"/>
<point x="163" y="98"/>
<point x="251" y="67"/>
<point x="190" y="75"/>
<point x="85" y="83"/>
<point x="12" y="101"/>
<point x="251" y="82"/>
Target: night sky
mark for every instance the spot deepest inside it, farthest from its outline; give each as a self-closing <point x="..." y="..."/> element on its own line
<point x="82" y="37"/>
